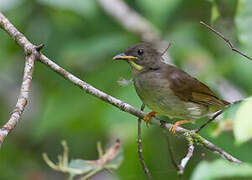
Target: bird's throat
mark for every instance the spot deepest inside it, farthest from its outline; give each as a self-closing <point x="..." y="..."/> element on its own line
<point x="136" y="66"/>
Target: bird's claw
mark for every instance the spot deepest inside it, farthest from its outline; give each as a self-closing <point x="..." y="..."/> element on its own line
<point x="148" y="116"/>
<point x="173" y="128"/>
<point x="177" y="124"/>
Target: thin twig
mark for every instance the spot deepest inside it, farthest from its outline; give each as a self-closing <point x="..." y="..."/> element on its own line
<point x="170" y="150"/>
<point x="168" y="46"/>
<point x="188" y="156"/>
<point x="25" y="44"/>
<point x="216" y="115"/>
<point x="225" y="39"/>
<point x="174" y="163"/>
<point x="140" y="148"/>
<point x="210" y="120"/>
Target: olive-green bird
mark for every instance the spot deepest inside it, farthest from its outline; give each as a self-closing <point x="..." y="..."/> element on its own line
<point x="167" y="90"/>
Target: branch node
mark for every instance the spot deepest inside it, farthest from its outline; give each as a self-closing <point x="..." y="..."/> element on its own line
<point x="39" y="47"/>
<point x="28" y="50"/>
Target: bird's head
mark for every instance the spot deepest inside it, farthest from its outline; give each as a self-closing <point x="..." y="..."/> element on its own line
<point x="141" y="57"/>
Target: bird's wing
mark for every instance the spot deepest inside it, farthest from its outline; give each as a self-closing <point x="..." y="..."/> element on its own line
<point x="190" y="89"/>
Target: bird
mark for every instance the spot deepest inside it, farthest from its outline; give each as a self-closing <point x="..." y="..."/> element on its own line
<point x="168" y="90"/>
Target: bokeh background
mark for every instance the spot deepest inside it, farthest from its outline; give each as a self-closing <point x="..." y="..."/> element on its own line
<point x="81" y="37"/>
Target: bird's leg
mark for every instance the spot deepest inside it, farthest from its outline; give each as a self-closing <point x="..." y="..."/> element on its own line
<point x="148" y="116"/>
<point x="177" y="124"/>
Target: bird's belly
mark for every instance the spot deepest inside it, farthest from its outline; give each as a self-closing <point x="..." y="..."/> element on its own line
<point x="159" y="97"/>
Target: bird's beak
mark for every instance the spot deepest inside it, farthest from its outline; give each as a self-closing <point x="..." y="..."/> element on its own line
<point x="122" y="56"/>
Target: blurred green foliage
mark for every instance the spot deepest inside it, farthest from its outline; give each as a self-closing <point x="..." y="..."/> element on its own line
<point x="82" y="38"/>
<point x="220" y="168"/>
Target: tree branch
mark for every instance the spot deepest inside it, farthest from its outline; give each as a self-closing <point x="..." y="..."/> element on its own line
<point x="209" y="121"/>
<point x="174" y="163"/>
<point x="140" y="147"/>
<point x="22" y="99"/>
<point x="225" y="39"/>
<point x="188" y="156"/>
<point x="32" y="52"/>
<point x="25" y="44"/>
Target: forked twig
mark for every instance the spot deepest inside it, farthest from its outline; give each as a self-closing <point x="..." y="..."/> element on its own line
<point x="225" y="39"/>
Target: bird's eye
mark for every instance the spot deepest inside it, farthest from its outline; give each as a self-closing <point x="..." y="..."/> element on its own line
<point x="140" y="52"/>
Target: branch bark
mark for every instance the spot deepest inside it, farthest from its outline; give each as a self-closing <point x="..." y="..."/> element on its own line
<point x="32" y="53"/>
<point x="29" y="48"/>
<point x="188" y="156"/>
<point x="22" y="99"/>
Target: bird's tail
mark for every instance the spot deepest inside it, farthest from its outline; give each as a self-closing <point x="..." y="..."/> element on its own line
<point x="228" y="104"/>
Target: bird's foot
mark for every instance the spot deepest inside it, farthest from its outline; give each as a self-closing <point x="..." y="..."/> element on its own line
<point x="148" y="116"/>
<point x="177" y="124"/>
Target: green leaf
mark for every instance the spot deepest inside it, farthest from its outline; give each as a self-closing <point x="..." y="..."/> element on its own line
<point x="243" y="122"/>
<point x="220" y="169"/>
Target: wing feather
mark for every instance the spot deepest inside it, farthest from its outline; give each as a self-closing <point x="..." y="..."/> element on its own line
<point x="190" y="89"/>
